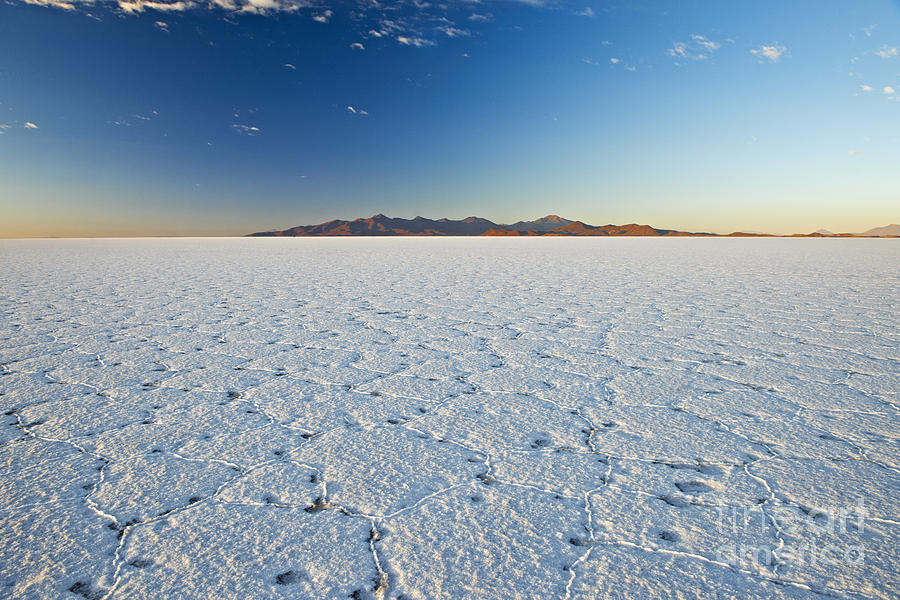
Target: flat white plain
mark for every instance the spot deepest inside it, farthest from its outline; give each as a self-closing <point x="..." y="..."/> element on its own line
<point x="449" y="418"/>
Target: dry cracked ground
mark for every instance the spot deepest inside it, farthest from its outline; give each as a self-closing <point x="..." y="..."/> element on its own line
<point x="449" y="418"/>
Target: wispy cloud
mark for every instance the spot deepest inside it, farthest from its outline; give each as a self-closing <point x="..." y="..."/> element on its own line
<point x="887" y="51"/>
<point x="414" y="41"/>
<point x="614" y="61"/>
<point x="587" y="12"/>
<point x="357" y="111"/>
<point x="888" y="89"/>
<point x="30" y="125"/>
<point x="323" y="17"/>
<point x="701" y="40"/>
<point x="62" y="4"/>
<point x="866" y="88"/>
<point x="250" y="130"/>
<point x="290" y="66"/>
<point x="771" y="52"/>
<point x="357" y="46"/>
<point x="3" y="129"/>
<point x="450" y="31"/>
<point x="698" y="48"/>
<point x="139" y="6"/>
<point x="162" y="25"/>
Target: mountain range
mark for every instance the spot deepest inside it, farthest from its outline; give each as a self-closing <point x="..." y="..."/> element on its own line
<point x="381" y="225"/>
<point x="553" y="225"/>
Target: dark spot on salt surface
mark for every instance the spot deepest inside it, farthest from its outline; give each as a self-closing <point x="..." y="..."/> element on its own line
<point x="579" y="542"/>
<point x="673" y="501"/>
<point x="485" y="478"/>
<point x="141" y="563"/>
<point x="287" y="578"/>
<point x="86" y="590"/>
<point x="692" y="487"/>
<point x="317" y="506"/>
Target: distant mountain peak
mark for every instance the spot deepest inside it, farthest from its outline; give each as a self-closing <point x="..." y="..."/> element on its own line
<point x="892" y="229"/>
<point x="542" y="224"/>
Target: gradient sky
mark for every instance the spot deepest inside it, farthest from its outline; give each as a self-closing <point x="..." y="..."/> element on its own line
<point x="186" y="117"/>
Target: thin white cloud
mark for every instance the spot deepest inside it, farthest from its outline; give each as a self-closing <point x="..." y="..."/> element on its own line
<point x="852" y="152"/>
<point x="615" y="61"/>
<point x="357" y="111"/>
<point x="887" y="51"/>
<point x="250" y="130"/>
<point x="62" y="4"/>
<point x="30" y="125"/>
<point x="866" y="88"/>
<point x="290" y="66"/>
<point x="323" y="17"/>
<point x="771" y="52"/>
<point x="698" y="48"/>
<point x="162" y="25"/>
<point x="679" y="49"/>
<point x="357" y="46"/>
<point x="453" y="31"/>
<point x="414" y="41"/>
<point x="139" y="6"/>
<point x="888" y="89"/>
<point x="479" y="18"/>
<point x="587" y="12"/>
<point x="701" y="40"/>
<point x="262" y="7"/>
<point x="3" y="129"/>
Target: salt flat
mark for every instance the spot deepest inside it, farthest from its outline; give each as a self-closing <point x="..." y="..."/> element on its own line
<point x="450" y="418"/>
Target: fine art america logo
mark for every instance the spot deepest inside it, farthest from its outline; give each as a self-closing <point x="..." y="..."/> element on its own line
<point x="808" y="537"/>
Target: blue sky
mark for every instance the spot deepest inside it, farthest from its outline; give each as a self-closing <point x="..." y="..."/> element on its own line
<point x="217" y="118"/>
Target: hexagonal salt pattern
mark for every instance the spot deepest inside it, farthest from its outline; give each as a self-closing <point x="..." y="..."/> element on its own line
<point x="449" y="418"/>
